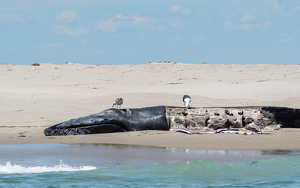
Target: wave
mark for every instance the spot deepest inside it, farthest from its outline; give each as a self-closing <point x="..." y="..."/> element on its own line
<point x="18" y="169"/>
<point x="256" y="173"/>
<point x="279" y="171"/>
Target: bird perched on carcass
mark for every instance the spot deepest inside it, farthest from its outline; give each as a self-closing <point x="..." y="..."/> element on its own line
<point x="118" y="102"/>
<point x="187" y="100"/>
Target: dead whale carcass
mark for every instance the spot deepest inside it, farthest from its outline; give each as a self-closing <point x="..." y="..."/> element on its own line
<point x="113" y="120"/>
<point x="177" y="118"/>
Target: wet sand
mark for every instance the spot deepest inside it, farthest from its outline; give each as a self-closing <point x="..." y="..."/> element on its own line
<point x="36" y="97"/>
<point x="106" y="155"/>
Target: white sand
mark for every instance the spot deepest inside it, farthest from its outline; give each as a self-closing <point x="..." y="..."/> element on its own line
<point x="35" y="97"/>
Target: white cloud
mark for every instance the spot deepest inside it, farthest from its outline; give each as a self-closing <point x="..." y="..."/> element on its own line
<point x="133" y="19"/>
<point x="142" y="37"/>
<point x="176" y="39"/>
<point x="277" y="9"/>
<point x="64" y="30"/>
<point x="197" y="39"/>
<point x="176" y="25"/>
<point x="10" y="49"/>
<point x="127" y="22"/>
<point x="67" y="16"/>
<point x="99" y="52"/>
<point x="83" y="41"/>
<point x="267" y="24"/>
<point x="230" y="25"/>
<point x="284" y="38"/>
<point x="200" y="38"/>
<point x="247" y="17"/>
<point x="13" y="18"/>
<point x="153" y="27"/>
<point x="127" y="52"/>
<point x="55" y="45"/>
<point x="107" y="26"/>
<point x="52" y="45"/>
<point x="180" y="9"/>
<point x="296" y="8"/>
<point x="288" y="39"/>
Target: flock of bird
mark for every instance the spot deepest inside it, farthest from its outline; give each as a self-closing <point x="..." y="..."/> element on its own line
<point x="186" y="100"/>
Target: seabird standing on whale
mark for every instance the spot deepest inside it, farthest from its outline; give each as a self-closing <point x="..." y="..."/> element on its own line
<point x="187" y="100"/>
<point x="118" y="102"/>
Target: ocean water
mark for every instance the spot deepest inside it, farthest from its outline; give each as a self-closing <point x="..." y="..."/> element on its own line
<point x="84" y="165"/>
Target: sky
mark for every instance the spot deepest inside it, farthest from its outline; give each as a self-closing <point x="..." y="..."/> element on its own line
<point x="143" y="31"/>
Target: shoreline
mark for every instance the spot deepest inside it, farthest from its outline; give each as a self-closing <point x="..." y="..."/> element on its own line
<point x="96" y="154"/>
<point x="284" y="139"/>
<point x="36" y="97"/>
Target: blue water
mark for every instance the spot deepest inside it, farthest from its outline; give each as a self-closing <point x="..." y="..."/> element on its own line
<point x="102" y="166"/>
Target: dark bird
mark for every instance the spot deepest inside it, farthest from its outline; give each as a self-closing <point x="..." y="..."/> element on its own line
<point x="187" y="100"/>
<point x="118" y="102"/>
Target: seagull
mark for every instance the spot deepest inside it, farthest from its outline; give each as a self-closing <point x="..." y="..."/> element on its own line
<point x="187" y="100"/>
<point x="118" y="102"/>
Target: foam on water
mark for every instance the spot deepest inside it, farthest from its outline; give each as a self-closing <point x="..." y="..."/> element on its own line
<point x="18" y="169"/>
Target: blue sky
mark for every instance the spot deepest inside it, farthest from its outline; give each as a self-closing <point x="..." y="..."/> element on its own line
<point x="141" y="31"/>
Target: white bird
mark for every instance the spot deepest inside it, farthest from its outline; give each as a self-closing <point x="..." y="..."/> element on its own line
<point x="187" y="100"/>
<point x="118" y="102"/>
<point x="278" y="127"/>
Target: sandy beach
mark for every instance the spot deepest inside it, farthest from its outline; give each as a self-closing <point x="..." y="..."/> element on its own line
<point x="33" y="98"/>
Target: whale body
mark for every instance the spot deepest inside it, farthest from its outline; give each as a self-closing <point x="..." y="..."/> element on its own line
<point x="170" y="117"/>
<point x="113" y="120"/>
